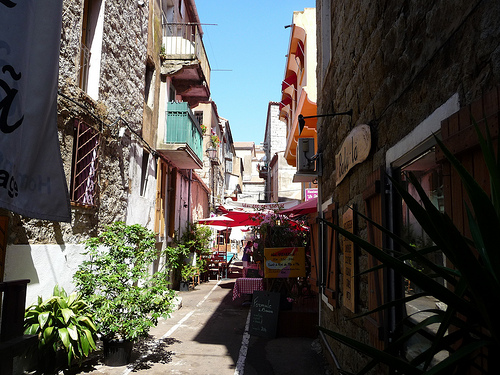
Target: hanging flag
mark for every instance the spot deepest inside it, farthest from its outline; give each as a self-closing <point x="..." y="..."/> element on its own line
<point x="32" y="181"/>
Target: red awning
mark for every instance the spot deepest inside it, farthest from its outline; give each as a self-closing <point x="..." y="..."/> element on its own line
<point x="289" y="81"/>
<point x="232" y="219"/>
<point x="303" y="208"/>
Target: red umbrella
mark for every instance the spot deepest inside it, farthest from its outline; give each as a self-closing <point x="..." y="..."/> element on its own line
<point x="220" y="221"/>
<point x="244" y="218"/>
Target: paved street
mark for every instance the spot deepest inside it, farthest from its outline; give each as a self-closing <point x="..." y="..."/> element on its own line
<point x="207" y="336"/>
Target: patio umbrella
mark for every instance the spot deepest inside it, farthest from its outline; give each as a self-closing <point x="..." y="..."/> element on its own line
<point x="219" y="221"/>
<point x="241" y="218"/>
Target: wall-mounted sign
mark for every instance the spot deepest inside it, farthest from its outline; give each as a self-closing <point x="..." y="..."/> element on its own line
<point x="284" y="262"/>
<point x="311" y="193"/>
<point x="354" y="150"/>
<point x="348" y="274"/>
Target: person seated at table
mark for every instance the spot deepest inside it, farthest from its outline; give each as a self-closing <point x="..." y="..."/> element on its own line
<point x="247" y="251"/>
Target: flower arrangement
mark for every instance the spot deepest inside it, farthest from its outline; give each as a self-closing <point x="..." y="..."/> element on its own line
<point x="277" y="230"/>
<point x="215" y="140"/>
<point x="203" y="128"/>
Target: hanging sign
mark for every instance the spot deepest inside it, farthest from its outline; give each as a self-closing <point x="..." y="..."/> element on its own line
<point x="348" y="273"/>
<point x="354" y="150"/>
<point x="311" y="193"/>
<point x="284" y="262"/>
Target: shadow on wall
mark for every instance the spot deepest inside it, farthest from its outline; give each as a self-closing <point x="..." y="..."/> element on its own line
<point x="19" y="264"/>
<point x="45" y="266"/>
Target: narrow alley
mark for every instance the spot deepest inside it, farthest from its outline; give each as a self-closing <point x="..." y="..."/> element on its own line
<point x="208" y="334"/>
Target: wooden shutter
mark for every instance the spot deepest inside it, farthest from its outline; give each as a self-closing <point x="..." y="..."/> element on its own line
<point x="332" y="256"/>
<point x="313" y="232"/>
<point x="161" y="191"/>
<point x="374" y="208"/>
<point x="460" y="138"/>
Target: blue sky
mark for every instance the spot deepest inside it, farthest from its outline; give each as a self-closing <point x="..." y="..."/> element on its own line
<point x="251" y="41"/>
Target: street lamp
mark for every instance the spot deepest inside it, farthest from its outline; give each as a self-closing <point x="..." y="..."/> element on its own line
<point x="212" y="156"/>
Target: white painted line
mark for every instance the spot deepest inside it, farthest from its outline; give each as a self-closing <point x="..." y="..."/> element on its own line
<point x="171" y="330"/>
<point x="240" y="365"/>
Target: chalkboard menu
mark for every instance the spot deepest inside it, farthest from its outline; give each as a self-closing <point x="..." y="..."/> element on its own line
<point x="264" y="314"/>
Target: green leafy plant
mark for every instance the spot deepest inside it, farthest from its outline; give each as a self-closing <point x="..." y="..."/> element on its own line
<point x="469" y="328"/>
<point x="125" y="298"/>
<point x="188" y="271"/>
<point x="62" y="322"/>
<point x="193" y="242"/>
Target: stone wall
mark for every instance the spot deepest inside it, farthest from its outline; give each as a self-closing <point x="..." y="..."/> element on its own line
<point x="121" y="95"/>
<point x="394" y="63"/>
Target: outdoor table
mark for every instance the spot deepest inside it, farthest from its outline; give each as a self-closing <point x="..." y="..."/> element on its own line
<point x="251" y="267"/>
<point x="245" y="285"/>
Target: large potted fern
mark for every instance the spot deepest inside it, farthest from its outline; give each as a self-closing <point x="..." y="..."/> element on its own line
<point x="125" y="298"/>
<point x="469" y="328"/>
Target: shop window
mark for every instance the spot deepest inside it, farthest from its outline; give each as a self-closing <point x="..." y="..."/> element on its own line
<point x="430" y="177"/>
<point x="85" y="165"/>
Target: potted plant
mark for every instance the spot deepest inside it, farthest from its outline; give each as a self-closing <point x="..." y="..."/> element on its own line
<point x="187" y="272"/>
<point x="125" y="298"/>
<point x="193" y="243"/>
<point x="62" y="324"/>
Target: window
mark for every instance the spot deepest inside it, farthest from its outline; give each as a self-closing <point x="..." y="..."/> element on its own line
<point x="199" y="117"/>
<point x="91" y="45"/>
<point x="85" y="165"/>
<point x="144" y="172"/>
<point x="430" y="177"/>
<point x="149" y="84"/>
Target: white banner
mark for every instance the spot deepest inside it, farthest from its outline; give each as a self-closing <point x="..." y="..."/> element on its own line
<point x="32" y="181"/>
<point x="261" y="206"/>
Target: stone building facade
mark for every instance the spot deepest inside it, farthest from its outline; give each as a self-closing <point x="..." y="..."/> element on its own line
<point x="275" y="169"/>
<point x="111" y="98"/>
<point x="407" y="70"/>
<point x="112" y="120"/>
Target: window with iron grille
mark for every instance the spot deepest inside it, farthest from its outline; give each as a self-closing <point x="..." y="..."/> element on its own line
<point x="199" y="116"/>
<point x="85" y="164"/>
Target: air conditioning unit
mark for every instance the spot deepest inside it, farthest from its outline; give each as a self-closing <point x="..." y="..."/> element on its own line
<point x="305" y="153"/>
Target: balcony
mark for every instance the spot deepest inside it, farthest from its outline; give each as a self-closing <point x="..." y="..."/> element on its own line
<point x="182" y="143"/>
<point x="184" y="59"/>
